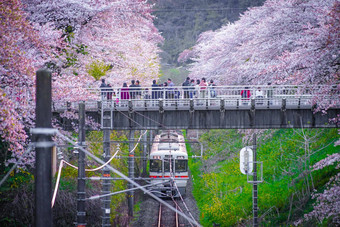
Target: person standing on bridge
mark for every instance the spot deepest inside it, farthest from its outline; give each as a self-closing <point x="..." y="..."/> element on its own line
<point x="203" y="89"/>
<point x="192" y="88"/>
<point x="259" y="96"/>
<point x="124" y="94"/>
<point x="211" y="89"/>
<point x="155" y="90"/>
<point x="170" y="89"/>
<point x="138" y="90"/>
<point x="197" y="88"/>
<point x="132" y="89"/>
<point x="102" y="88"/>
<point x="109" y="92"/>
<point x="185" y="85"/>
<point x="245" y="95"/>
<point x="165" y="90"/>
<point x="270" y="94"/>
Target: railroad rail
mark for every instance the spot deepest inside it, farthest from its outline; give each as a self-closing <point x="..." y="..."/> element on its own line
<point x="168" y="218"/>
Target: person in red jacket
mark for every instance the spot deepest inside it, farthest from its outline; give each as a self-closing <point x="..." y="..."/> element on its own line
<point x="245" y="95"/>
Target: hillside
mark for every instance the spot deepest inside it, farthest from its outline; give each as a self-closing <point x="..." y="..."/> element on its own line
<point x="286" y="194"/>
<point x="181" y="22"/>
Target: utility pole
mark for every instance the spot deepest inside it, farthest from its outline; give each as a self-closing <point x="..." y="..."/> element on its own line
<point x="106" y="183"/>
<point x="145" y="152"/>
<point x="255" y="208"/>
<point x="43" y="150"/>
<point x="81" y="221"/>
<point x="131" y="163"/>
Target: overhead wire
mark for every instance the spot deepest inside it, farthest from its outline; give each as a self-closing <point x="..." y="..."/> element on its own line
<point x="128" y="179"/>
<point x="73" y="166"/>
<point x="88" y="170"/>
<point x="15" y="164"/>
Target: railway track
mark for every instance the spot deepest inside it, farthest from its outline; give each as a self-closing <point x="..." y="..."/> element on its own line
<point x="169" y="218"/>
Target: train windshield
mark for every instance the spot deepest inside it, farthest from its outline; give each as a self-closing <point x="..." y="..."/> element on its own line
<point x="167" y="165"/>
<point x="181" y="165"/>
<point x="156" y="165"/>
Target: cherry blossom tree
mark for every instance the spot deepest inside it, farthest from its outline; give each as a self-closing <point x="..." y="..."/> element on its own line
<point x="67" y="36"/>
<point x="327" y="204"/>
<point x="111" y="31"/>
<point x="19" y="58"/>
<point x="295" y="42"/>
<point x="282" y="42"/>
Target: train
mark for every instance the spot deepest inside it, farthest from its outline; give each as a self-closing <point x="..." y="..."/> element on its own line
<point x="168" y="164"/>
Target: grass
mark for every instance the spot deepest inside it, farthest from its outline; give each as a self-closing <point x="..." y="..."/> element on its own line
<point x="223" y="194"/>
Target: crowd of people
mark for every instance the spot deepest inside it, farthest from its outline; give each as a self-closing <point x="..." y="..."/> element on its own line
<point x="167" y="90"/>
<point x="190" y="89"/>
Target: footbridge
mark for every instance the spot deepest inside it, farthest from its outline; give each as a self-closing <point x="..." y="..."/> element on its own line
<point x="212" y="107"/>
<point x="163" y="108"/>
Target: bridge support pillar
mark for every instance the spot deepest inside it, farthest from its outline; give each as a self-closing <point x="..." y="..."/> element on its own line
<point x="131" y="163"/>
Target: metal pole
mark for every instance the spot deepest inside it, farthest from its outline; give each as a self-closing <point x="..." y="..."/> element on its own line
<point x="255" y="209"/>
<point x="43" y="150"/>
<point x="145" y="152"/>
<point x="81" y="222"/>
<point x="131" y="163"/>
<point x="106" y="184"/>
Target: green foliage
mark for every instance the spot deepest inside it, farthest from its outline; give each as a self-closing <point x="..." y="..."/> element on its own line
<point x="223" y="194"/>
<point x="177" y="75"/>
<point x="95" y="139"/>
<point x="69" y="54"/>
<point x="16" y="179"/>
<point x="181" y="22"/>
<point x="97" y="69"/>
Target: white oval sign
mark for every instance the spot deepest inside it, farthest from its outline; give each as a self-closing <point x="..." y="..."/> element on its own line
<point x="246" y="160"/>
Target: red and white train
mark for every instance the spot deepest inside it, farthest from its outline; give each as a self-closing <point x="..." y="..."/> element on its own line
<point x="169" y="164"/>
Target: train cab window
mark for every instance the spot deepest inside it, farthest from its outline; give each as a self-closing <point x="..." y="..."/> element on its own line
<point x="156" y="165"/>
<point x="168" y="146"/>
<point x="181" y="165"/>
<point x="166" y="165"/>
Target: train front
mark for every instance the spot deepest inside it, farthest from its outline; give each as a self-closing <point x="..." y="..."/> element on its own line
<point x="168" y="167"/>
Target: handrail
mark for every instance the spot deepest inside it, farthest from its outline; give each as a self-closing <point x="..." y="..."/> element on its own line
<point x="236" y="96"/>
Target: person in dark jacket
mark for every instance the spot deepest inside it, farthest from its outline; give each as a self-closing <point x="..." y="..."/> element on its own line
<point x="132" y="89"/>
<point x="155" y="90"/>
<point x="186" y="85"/>
<point x="138" y="90"/>
<point x="102" y="88"/>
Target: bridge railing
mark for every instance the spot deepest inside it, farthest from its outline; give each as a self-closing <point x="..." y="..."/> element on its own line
<point x="202" y="97"/>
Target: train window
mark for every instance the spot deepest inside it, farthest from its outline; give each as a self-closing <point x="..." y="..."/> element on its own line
<point x="166" y="165"/>
<point x="168" y="146"/>
<point x="181" y="165"/>
<point x="156" y="166"/>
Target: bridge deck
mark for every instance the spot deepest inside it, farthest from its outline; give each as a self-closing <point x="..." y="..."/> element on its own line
<point x="276" y="107"/>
